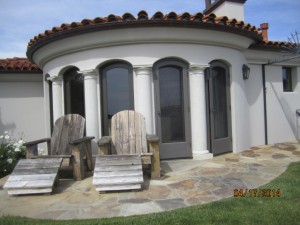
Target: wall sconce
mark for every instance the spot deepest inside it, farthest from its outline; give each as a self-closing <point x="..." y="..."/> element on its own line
<point x="246" y="71"/>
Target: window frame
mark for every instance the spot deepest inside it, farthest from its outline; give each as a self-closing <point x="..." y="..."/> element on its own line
<point x="288" y="85"/>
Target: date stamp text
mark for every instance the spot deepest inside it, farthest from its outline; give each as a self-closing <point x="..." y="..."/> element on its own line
<point x="257" y="193"/>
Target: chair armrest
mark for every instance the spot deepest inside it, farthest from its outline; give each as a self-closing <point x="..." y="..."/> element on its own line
<point x="81" y="140"/>
<point x="27" y="144"/>
<point x="105" y="140"/>
<point x="152" y="138"/>
<point x="104" y="145"/>
<point x="32" y="147"/>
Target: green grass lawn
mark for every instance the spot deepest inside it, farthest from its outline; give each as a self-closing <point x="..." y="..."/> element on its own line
<point x="236" y="210"/>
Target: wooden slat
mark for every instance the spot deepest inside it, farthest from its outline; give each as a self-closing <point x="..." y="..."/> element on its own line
<point x="118" y="161"/>
<point x="138" y="137"/>
<point x="34" y="171"/>
<point x="118" y="180"/>
<point x="14" y="178"/>
<point x="118" y="187"/>
<point x="38" y="161"/>
<point x="131" y="133"/>
<point x="29" y="191"/>
<point x="37" y="166"/>
<point x="118" y="168"/>
<point x="114" y="157"/>
<point x="118" y="173"/>
<point x="28" y="184"/>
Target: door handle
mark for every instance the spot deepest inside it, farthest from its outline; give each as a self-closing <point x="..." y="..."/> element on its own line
<point x="158" y="113"/>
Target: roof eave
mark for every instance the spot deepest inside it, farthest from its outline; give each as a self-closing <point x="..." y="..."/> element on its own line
<point x="136" y="24"/>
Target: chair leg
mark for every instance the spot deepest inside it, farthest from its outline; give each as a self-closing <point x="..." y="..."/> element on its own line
<point x="155" y="162"/>
<point x="88" y="153"/>
<point x="77" y="161"/>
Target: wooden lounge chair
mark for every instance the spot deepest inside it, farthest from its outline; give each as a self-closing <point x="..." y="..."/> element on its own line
<point x="121" y="155"/>
<point x="37" y="174"/>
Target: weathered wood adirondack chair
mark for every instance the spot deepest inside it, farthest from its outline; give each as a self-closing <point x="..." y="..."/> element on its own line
<point x="121" y="155"/>
<point x="37" y="174"/>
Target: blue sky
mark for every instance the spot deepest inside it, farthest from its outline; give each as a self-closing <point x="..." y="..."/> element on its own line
<point x="21" y="20"/>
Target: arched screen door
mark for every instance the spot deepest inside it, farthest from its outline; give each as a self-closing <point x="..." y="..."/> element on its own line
<point x="117" y="92"/>
<point x="219" y="108"/>
<point x="172" y="117"/>
<point x="74" y="92"/>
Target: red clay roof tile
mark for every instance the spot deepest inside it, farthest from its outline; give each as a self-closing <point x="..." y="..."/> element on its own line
<point x="196" y="20"/>
<point x="143" y="16"/>
<point x="18" y="64"/>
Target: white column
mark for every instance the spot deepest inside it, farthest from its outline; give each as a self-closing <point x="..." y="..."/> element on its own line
<point x="91" y="105"/>
<point x="143" y="94"/>
<point x="57" y="96"/>
<point x="198" y="112"/>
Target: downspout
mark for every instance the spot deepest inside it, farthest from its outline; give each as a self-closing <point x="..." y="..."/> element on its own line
<point x="265" y="102"/>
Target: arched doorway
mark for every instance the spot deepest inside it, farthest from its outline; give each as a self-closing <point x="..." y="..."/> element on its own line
<point x="218" y="108"/>
<point x="116" y="91"/>
<point x="172" y="108"/>
<point x="74" y="92"/>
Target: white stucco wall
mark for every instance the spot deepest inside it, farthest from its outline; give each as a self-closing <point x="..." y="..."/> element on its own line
<point x="22" y="106"/>
<point x="231" y="10"/>
<point x="254" y="93"/>
<point x="282" y="123"/>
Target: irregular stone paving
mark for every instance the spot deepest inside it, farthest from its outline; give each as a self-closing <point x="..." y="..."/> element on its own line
<point x="184" y="183"/>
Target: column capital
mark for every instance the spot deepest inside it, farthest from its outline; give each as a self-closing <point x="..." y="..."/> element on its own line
<point x="89" y="73"/>
<point x="56" y="79"/>
<point x="197" y="68"/>
<point x="142" y="69"/>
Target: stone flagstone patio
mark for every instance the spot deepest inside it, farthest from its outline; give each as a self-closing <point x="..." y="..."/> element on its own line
<point x="184" y="183"/>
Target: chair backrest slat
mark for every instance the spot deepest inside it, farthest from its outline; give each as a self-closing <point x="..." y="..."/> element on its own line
<point x="128" y="133"/>
<point x="67" y="128"/>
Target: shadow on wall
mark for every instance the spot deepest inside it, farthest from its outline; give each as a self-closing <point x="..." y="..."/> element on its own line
<point x="288" y="112"/>
<point x="10" y="127"/>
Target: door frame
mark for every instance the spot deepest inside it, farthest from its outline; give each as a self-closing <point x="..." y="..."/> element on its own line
<point x="103" y="90"/>
<point x="210" y="129"/>
<point x="177" y="152"/>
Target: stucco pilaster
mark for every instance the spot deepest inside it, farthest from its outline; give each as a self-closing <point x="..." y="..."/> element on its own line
<point x="198" y="112"/>
<point x="57" y="96"/>
<point x="143" y="94"/>
<point x="91" y="104"/>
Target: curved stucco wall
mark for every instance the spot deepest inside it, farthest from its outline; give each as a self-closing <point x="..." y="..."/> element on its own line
<point x="149" y="53"/>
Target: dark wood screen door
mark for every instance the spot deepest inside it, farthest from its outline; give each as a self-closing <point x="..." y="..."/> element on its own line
<point x="172" y="117"/>
<point x="219" y="109"/>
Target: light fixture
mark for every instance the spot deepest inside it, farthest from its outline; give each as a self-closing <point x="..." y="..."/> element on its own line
<point x="246" y="71"/>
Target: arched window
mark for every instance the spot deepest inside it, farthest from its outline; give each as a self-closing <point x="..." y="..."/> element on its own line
<point x="74" y="92"/>
<point x="117" y="92"/>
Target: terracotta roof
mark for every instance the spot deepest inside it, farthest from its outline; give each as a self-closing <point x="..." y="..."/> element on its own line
<point x="274" y="45"/>
<point x="197" y="20"/>
<point x="17" y="64"/>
